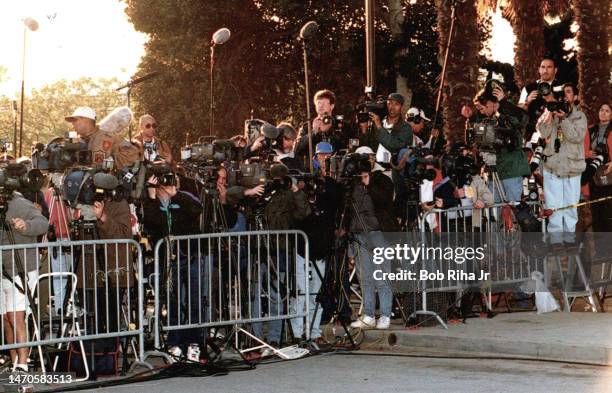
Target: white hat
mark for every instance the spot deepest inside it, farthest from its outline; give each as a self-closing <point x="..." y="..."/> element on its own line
<point x="82" y="111"/>
<point x="413" y="112"/>
<point x="364" y="150"/>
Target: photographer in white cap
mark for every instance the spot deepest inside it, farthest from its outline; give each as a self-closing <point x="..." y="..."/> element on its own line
<point x="433" y="140"/>
<point x="99" y="142"/>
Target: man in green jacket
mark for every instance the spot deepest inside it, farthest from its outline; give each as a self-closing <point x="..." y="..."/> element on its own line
<point x="512" y="164"/>
<point x="393" y="135"/>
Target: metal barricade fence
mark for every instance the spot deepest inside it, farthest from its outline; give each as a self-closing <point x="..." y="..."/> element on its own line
<point x="224" y="279"/>
<point x="465" y="226"/>
<point x="76" y="291"/>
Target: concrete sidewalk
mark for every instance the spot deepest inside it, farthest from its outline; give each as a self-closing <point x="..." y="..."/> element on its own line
<point x="574" y="337"/>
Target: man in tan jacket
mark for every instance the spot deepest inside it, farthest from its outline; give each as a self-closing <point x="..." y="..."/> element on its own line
<point x="564" y="131"/>
<point x="152" y="148"/>
<point x="102" y="144"/>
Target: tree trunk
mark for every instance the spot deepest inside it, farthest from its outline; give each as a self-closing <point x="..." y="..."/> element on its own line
<point x="593" y="57"/>
<point x="528" y="25"/>
<point x="460" y="85"/>
<point x="396" y="24"/>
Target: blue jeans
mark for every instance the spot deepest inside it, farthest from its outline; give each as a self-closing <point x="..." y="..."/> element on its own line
<point x="267" y="284"/>
<point x="513" y="188"/>
<point x="369" y="286"/>
<point x="559" y="192"/>
<point x="314" y="284"/>
<point x="188" y="301"/>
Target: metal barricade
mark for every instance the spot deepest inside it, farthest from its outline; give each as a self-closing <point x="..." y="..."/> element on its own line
<point x="232" y="279"/>
<point x="76" y="291"/>
<point x="466" y="227"/>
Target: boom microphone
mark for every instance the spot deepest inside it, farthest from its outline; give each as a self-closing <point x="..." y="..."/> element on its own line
<point x="105" y="181"/>
<point x="308" y="30"/>
<point x="31" y="24"/>
<point x="221" y="36"/>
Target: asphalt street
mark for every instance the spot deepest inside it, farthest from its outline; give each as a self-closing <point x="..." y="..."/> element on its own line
<point x="363" y="373"/>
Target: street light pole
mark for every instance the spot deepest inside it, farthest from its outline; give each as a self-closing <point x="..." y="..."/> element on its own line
<point x="31" y="24"/>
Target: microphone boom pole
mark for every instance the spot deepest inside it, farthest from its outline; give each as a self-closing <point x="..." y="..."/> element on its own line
<point x="308" y="30"/>
<point x="219" y="37"/>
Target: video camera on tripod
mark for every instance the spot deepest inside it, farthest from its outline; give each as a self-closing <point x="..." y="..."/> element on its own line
<point x="15" y="176"/>
<point x="202" y="160"/>
<point x="83" y="187"/>
<point x="62" y="153"/>
<point x="489" y="137"/>
<point x="351" y="167"/>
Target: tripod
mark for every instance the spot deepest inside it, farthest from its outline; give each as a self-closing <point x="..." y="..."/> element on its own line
<point x="490" y="160"/>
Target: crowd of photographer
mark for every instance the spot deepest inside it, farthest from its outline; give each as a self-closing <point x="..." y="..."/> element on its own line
<point x="342" y="179"/>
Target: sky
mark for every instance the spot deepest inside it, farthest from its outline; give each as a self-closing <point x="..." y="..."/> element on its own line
<point x="75" y="38"/>
<point x="93" y="38"/>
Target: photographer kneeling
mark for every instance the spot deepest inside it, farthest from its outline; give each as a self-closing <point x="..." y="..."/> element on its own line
<point x="371" y="199"/>
<point x="564" y="127"/>
<point x="22" y="224"/>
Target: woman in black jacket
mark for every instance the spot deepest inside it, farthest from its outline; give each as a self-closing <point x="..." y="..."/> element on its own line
<point x="600" y="138"/>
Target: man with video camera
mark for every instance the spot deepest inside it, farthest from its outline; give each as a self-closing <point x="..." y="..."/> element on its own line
<point x="393" y="135"/>
<point x="102" y="144"/>
<point x="563" y="126"/>
<point x="279" y="142"/>
<point x="285" y="209"/>
<point x="169" y="211"/>
<point x="509" y="120"/>
<point x="21" y="223"/>
<point x="324" y="195"/>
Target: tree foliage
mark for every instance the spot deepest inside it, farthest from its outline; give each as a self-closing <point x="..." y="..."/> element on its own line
<point x="46" y="108"/>
<point x="259" y="70"/>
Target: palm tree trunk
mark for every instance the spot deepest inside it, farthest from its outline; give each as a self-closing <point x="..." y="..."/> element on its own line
<point x="593" y="35"/>
<point x="396" y="25"/>
<point x="460" y="85"/>
<point x="528" y="25"/>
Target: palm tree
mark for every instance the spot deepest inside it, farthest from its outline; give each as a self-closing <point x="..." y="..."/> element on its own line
<point x="460" y="85"/>
<point x="527" y="20"/>
<point x="593" y="17"/>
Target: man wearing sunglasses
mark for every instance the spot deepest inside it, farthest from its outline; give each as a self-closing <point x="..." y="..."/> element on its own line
<point x="152" y="148"/>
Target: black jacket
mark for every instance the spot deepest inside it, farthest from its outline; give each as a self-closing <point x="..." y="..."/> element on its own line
<point x="319" y="226"/>
<point x="374" y="205"/>
<point x="181" y="217"/>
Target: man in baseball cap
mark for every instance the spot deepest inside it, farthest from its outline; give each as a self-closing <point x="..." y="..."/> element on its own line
<point x="368" y="150"/>
<point x="323" y="152"/>
<point x="416" y="118"/>
<point x="100" y="143"/>
<point x="83" y="112"/>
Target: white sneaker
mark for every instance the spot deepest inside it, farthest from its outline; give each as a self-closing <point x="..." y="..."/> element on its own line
<point x="364" y="322"/>
<point x="383" y="323"/>
<point x="175" y="353"/>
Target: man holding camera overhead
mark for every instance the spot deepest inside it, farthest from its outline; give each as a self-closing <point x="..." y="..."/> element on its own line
<point x="563" y="126"/>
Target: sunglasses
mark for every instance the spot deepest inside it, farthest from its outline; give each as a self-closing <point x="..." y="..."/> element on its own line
<point x="151" y="125"/>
